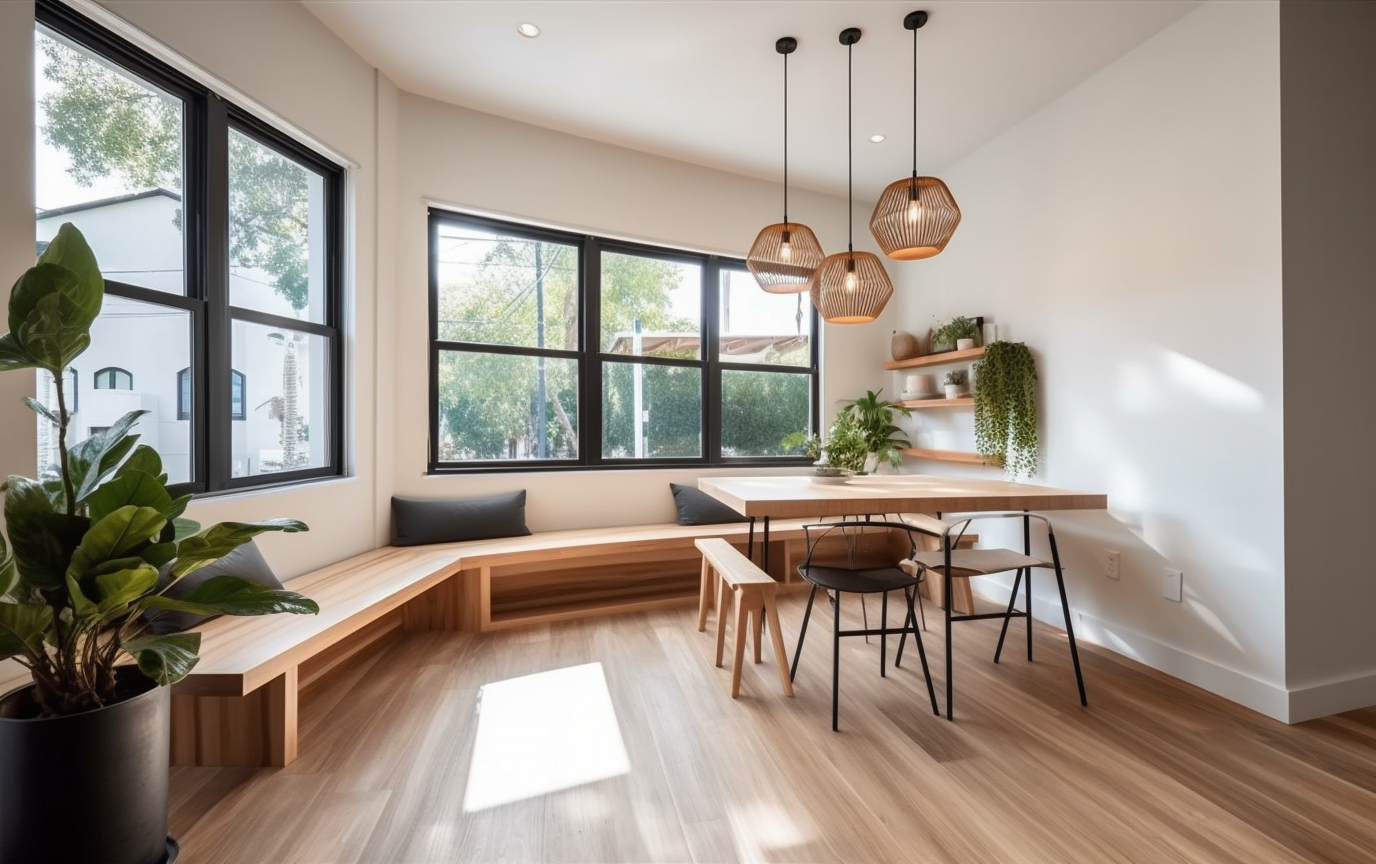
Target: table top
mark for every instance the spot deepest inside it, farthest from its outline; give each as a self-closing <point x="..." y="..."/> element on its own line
<point x="803" y="496"/>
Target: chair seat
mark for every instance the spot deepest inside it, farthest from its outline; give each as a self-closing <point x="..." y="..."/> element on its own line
<point x="870" y="581"/>
<point x="978" y="562"/>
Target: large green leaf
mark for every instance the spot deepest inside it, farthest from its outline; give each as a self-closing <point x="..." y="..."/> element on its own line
<point x="184" y="528"/>
<point x="165" y="659"/>
<point x="42" y="410"/>
<point x="82" y="605"/>
<point x="22" y="627"/>
<point x="217" y="541"/>
<point x="43" y="540"/>
<point x="48" y="317"/>
<point x="145" y="459"/>
<point x="129" y="487"/>
<point x="160" y="553"/>
<point x="115" y="535"/>
<point x="9" y="574"/>
<point x="123" y="587"/>
<point x="69" y="249"/>
<point x="234" y="595"/>
<point x="92" y="460"/>
<point x="12" y="354"/>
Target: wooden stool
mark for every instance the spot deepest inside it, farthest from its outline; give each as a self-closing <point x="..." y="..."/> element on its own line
<point x="754" y="592"/>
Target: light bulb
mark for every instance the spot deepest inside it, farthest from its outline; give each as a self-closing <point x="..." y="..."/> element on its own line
<point x="786" y="248"/>
<point x="914" y="210"/>
<point x="851" y="281"/>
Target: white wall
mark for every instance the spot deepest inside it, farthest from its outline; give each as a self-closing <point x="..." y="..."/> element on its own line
<point x="1129" y="233"/>
<point x="468" y="160"/>
<point x="1330" y="183"/>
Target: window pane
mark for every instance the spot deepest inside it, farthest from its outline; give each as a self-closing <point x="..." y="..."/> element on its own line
<point x="650" y="307"/>
<point x="503" y="406"/>
<point x="287" y="417"/>
<point x="108" y="154"/>
<point x="501" y="289"/>
<point x="277" y="220"/>
<point x="759" y="408"/>
<point x="759" y="327"/>
<point x="667" y="402"/>
<point x="120" y="340"/>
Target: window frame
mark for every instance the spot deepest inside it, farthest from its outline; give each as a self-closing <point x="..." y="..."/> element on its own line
<point x="113" y="372"/>
<point x="590" y="357"/>
<point x="207" y="121"/>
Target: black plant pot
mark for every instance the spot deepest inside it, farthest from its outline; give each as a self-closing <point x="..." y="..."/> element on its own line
<point x="87" y="788"/>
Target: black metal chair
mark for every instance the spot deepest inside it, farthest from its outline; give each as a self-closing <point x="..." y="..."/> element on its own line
<point x="950" y="563"/>
<point x="858" y="557"/>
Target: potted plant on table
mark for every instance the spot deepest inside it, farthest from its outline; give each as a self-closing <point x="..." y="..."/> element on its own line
<point x="874" y="417"/>
<point x="846" y="447"/>
<point x="1006" y="407"/>
<point x="84" y="749"/>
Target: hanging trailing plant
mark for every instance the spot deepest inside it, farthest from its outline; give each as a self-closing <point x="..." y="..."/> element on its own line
<point x="1006" y="407"/>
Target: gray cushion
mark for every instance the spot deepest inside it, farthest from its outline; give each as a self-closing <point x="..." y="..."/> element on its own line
<point x="415" y="522"/>
<point x="245" y="561"/>
<point x="696" y="507"/>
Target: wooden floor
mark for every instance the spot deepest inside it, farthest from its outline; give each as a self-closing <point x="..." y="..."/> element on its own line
<point x="1152" y="771"/>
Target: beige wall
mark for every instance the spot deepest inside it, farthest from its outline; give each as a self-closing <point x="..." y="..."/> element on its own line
<point x="1129" y="233"/>
<point x="1329" y="185"/>
<point x="466" y="159"/>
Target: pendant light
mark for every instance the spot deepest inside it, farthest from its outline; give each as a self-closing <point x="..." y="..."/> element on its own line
<point x="915" y="216"/>
<point x="785" y="255"/>
<point x="850" y="287"/>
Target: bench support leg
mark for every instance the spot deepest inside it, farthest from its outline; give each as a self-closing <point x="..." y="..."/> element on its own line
<point x="257" y="730"/>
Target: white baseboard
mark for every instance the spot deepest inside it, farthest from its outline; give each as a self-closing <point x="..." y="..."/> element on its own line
<point x="1268" y="699"/>
<point x="1332" y="697"/>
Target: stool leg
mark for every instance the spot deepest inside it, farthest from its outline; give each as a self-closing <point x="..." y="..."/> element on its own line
<point x="722" y="600"/>
<point x="742" y="629"/>
<point x="704" y="594"/>
<point x="757" y="616"/>
<point x="772" y="613"/>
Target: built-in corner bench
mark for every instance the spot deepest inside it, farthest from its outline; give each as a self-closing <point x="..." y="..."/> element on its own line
<point x="238" y="707"/>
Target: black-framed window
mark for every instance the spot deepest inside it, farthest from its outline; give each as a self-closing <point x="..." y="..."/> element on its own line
<point x="221" y="241"/>
<point x="551" y="350"/>
<point x="113" y="378"/>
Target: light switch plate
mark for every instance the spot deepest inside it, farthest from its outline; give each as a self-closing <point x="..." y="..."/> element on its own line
<point x="1171" y="585"/>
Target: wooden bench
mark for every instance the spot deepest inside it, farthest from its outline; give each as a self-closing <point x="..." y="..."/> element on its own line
<point x="238" y="707"/>
<point x="754" y="592"/>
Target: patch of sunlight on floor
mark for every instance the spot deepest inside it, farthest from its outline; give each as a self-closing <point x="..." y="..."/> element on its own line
<point x="763" y="830"/>
<point x="1210" y="384"/>
<point x="543" y="733"/>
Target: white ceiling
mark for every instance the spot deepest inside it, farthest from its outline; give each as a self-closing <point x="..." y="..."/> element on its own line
<point x="700" y="81"/>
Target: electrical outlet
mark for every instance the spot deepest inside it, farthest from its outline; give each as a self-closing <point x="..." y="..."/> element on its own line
<point x="1171" y="585"/>
<point x="1112" y="563"/>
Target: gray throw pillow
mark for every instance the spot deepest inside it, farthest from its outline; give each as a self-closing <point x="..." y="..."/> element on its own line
<point x="415" y="522"/>
<point x="244" y="561"/>
<point x="696" y="507"/>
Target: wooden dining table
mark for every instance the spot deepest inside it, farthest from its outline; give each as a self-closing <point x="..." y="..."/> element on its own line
<point x="806" y="496"/>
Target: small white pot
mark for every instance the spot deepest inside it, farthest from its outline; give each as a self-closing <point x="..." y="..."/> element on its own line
<point x="964" y="344"/>
<point x="954" y="391"/>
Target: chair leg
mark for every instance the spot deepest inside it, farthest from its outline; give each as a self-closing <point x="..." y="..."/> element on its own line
<point x="883" y="632"/>
<point x="1027" y="604"/>
<point x="1008" y="613"/>
<point x="802" y="633"/>
<point x="1069" y="628"/>
<point x="864" y="616"/>
<point x="950" y="691"/>
<point x="911" y="621"/>
<point x="920" y="608"/>
<point x="836" y="664"/>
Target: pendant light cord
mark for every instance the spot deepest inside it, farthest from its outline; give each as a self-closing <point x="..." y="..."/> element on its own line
<point x="786" y="142"/>
<point x="850" y="154"/>
<point x="915" y="103"/>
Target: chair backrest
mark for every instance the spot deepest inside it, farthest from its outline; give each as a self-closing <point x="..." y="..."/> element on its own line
<point x="952" y="526"/>
<point x="858" y="543"/>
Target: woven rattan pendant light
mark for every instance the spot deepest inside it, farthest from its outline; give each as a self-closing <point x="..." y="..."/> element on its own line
<point x="786" y="254"/>
<point x="850" y="287"/>
<point x="915" y="216"/>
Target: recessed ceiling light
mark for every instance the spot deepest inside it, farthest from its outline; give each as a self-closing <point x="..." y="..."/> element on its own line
<point x="875" y="139"/>
<point x="527" y="29"/>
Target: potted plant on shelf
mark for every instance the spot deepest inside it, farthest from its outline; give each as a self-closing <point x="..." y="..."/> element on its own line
<point x="875" y="419"/>
<point x="956" y="383"/>
<point x="84" y="748"/>
<point x="948" y="336"/>
<point x="1006" y="407"/>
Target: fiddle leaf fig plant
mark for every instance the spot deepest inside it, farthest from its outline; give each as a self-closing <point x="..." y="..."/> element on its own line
<point x="80" y="574"/>
<point x="874" y="418"/>
<point x="1006" y="407"/>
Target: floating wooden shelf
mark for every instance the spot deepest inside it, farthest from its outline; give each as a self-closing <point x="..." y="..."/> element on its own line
<point x="923" y="404"/>
<point x="936" y="359"/>
<point x="945" y="455"/>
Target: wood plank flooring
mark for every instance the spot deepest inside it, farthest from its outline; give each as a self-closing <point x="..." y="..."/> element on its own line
<point x="1153" y="771"/>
